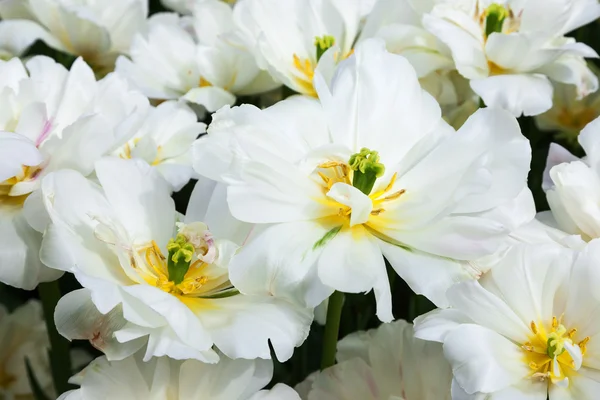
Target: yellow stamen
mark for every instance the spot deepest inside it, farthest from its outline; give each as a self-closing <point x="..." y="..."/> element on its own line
<point x="307" y="72"/>
<point x="534" y="328"/>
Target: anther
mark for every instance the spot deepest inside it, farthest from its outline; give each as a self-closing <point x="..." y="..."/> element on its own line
<point x="395" y="195"/>
<point x="533" y="328"/>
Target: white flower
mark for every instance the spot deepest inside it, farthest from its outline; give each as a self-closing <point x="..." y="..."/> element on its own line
<point x="23" y="337"/>
<point x="193" y="58"/>
<point x="186" y="6"/>
<point x="167" y="379"/>
<point x="152" y="279"/>
<point x="52" y="119"/>
<point x="509" y="49"/>
<point x="289" y="37"/>
<point x="527" y="328"/>
<point x="398" y="23"/>
<point x="573" y="186"/>
<point x="570" y="113"/>
<point x="98" y="31"/>
<point x="165" y="141"/>
<point x="17" y="36"/>
<point x="383" y="364"/>
<point x="370" y="171"/>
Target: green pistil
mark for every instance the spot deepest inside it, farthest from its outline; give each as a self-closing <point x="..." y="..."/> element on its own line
<point x="367" y="169"/>
<point x="180" y="257"/>
<point x="323" y="44"/>
<point x="494" y="20"/>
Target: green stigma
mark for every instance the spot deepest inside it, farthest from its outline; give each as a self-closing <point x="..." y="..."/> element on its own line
<point x="556" y="342"/>
<point x="494" y="20"/>
<point x="180" y="257"/>
<point x="323" y="44"/>
<point x="367" y="169"/>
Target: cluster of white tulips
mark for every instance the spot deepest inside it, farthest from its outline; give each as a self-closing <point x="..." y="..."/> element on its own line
<point x="337" y="148"/>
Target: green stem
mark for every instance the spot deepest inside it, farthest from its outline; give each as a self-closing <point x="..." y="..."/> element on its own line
<point x="60" y="358"/>
<point x="332" y="327"/>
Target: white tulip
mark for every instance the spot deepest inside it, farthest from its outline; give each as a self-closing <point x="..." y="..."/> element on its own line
<point x="167" y="379"/>
<point x="291" y="38"/>
<point x="194" y="58"/>
<point x="573" y="186"/>
<point x="510" y="49"/>
<point x="152" y="281"/>
<point x="369" y="171"/>
<point x="386" y="363"/>
<point x="98" y="31"/>
<point x="527" y="329"/>
<point x="52" y="119"/>
<point x="165" y="141"/>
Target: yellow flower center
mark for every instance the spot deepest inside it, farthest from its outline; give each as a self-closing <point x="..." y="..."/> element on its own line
<point x="497" y="18"/>
<point x="304" y="68"/>
<point x="10" y="200"/>
<point x="155" y="272"/>
<point x="546" y="352"/>
<point x="126" y="150"/>
<point x="333" y="172"/>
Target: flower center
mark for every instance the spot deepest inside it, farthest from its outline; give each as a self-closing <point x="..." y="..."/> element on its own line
<point x="362" y="171"/>
<point x="186" y="270"/>
<point x="552" y="354"/>
<point x="126" y="152"/>
<point x="498" y="18"/>
<point x="304" y="68"/>
<point x="11" y="196"/>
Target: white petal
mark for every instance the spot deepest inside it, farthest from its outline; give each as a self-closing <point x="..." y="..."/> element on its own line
<point x="426" y="274"/>
<point x="242" y="326"/>
<point x="588" y="138"/>
<point x="229" y="379"/>
<point x="212" y="97"/>
<point x="556" y="155"/>
<point x="486" y="309"/>
<point x="16" y="151"/>
<point x="208" y="204"/>
<point x="582" y="302"/>
<point x="483" y="360"/>
<point x="140" y="198"/>
<point x="462" y="35"/>
<point x="281" y="262"/>
<point x="519" y="94"/>
<point x="358" y="120"/>
<point x="279" y="392"/>
<point x="77" y="317"/>
<point x="436" y="324"/>
<point x="350" y="196"/>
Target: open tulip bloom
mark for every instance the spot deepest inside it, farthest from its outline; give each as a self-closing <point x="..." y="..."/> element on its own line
<point x="155" y="282"/>
<point x="167" y="379"/>
<point x="527" y="330"/>
<point x="511" y="49"/>
<point x="370" y="170"/>
<point x="572" y="186"/>
<point x="52" y="118"/>
<point x="386" y="363"/>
